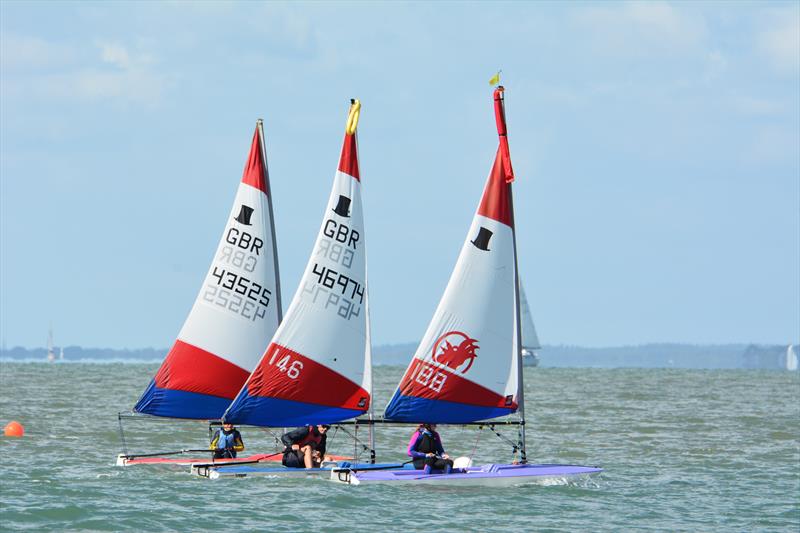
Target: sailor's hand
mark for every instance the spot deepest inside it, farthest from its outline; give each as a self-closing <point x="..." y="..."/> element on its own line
<point x="295" y="446"/>
<point x="429" y="454"/>
<point x="445" y="456"/>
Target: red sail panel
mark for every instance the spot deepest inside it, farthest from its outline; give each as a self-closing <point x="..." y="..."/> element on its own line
<point x="432" y="382"/>
<point x="254" y="170"/>
<point x="348" y="161"/>
<point x="285" y="374"/>
<point x="192" y="369"/>
<point x="495" y="202"/>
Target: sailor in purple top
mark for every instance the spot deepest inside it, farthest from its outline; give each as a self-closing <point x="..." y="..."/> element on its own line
<point x="425" y="448"/>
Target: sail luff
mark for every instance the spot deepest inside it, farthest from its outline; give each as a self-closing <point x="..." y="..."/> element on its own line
<point x="278" y="301"/>
<point x="502" y="131"/>
<point x="518" y="333"/>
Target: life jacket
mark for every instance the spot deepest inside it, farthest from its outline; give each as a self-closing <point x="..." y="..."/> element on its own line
<point x="427" y="443"/>
<point x="226" y="440"/>
<point x="313" y="438"/>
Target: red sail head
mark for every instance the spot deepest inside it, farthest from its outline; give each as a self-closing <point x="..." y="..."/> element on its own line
<point x="255" y="170"/>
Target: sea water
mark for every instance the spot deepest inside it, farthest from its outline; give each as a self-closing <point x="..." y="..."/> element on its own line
<point x="683" y="450"/>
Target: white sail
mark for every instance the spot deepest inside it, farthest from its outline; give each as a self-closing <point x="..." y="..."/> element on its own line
<point x="235" y="313"/>
<point x="51" y="353"/>
<point x="530" y="339"/>
<point x="466" y="367"/>
<point x="791" y="358"/>
<point x="317" y="367"/>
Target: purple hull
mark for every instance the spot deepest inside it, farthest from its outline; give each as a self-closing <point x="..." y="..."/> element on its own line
<point x="494" y="474"/>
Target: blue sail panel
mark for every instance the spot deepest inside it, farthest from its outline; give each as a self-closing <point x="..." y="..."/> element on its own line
<point x="173" y="403"/>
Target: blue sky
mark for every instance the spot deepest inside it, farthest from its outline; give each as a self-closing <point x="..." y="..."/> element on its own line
<point x="656" y="148"/>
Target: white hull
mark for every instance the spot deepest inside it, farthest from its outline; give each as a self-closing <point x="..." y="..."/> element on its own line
<point x="529" y="358"/>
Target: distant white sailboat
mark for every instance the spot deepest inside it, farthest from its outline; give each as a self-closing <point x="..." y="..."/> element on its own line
<point x="61" y="355"/>
<point x="530" y="340"/>
<point x="51" y="354"/>
<point x="791" y="358"/>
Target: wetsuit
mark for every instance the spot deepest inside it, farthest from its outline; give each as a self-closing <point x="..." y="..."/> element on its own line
<point x="424" y="442"/>
<point x="302" y="436"/>
<point x="226" y="443"/>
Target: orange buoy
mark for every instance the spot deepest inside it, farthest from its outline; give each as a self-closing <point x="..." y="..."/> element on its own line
<point x="14" y="429"/>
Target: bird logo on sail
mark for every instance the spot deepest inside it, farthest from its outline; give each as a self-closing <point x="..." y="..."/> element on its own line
<point x="453" y="349"/>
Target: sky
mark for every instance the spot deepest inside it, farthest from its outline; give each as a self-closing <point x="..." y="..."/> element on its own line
<point x="656" y="148"/>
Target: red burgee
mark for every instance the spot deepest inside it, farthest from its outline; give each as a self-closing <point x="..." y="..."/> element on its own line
<point x="495" y="200"/>
<point x="502" y="132"/>
<point x="348" y="162"/>
<point x="192" y="369"/>
<point x="254" y="171"/>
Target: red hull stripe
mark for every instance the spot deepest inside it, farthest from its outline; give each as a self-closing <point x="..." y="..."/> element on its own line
<point x="348" y="162"/>
<point x="254" y="174"/>
<point x="495" y="201"/>
<point x="288" y="375"/>
<point x="192" y="369"/>
<point x="424" y="380"/>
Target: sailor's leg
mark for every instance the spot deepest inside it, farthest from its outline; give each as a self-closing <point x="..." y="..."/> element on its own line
<point x="308" y="459"/>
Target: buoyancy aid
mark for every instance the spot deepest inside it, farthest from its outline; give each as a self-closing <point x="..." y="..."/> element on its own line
<point x="427" y="443"/>
<point x="313" y="438"/>
<point x="226" y="440"/>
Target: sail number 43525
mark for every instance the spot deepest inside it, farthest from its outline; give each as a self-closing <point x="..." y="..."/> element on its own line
<point x="292" y="367"/>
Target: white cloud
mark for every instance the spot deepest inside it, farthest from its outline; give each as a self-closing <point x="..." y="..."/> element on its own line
<point x="780" y="43"/>
<point x="115" y="54"/>
<point x="106" y="72"/>
<point x="20" y="52"/>
<point x="639" y="28"/>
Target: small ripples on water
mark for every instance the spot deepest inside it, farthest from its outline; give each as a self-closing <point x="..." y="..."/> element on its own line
<point x="682" y="449"/>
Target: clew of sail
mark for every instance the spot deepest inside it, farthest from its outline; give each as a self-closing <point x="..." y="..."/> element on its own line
<point x="317" y="369"/>
<point x="235" y="314"/>
<point x="466" y="366"/>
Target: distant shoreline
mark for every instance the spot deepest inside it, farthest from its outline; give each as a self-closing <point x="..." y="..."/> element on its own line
<point x="661" y="355"/>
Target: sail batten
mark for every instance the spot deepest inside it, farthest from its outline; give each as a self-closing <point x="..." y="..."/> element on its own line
<point x="235" y="314"/>
<point x="317" y="367"/>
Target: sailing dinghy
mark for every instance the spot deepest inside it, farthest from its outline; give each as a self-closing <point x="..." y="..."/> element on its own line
<point x="234" y="316"/>
<point x="467" y="367"/>
<point x="317" y="369"/>
<point x="530" y="340"/>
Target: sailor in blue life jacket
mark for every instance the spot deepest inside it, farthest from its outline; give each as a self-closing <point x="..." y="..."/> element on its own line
<point x="305" y="447"/>
<point x="425" y="448"/>
<point x="226" y="442"/>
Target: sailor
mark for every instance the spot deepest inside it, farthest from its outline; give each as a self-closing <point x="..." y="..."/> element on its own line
<point x="226" y="442"/>
<point x="425" y="448"/>
<point x="305" y="446"/>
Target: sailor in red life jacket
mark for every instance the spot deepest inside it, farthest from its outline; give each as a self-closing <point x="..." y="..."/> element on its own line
<point x="425" y="448"/>
<point x="226" y="442"/>
<point x="305" y="447"/>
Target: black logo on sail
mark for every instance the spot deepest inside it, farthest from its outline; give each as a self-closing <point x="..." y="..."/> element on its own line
<point x="343" y="207"/>
<point x="244" y="215"/>
<point x="481" y="242"/>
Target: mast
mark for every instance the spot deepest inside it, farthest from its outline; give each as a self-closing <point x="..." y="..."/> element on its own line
<point x="502" y="132"/>
<point x="263" y="147"/>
